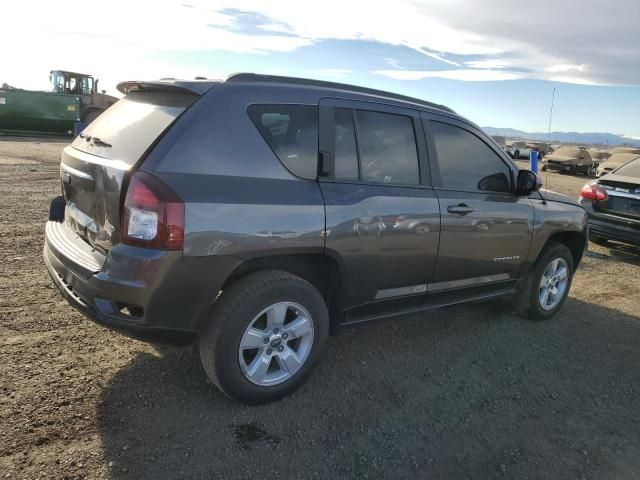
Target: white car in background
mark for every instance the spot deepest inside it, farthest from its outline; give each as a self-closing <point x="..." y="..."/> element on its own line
<point x="614" y="161"/>
<point x="520" y="150"/>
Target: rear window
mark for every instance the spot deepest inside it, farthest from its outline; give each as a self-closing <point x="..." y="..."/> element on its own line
<point x="127" y="129"/>
<point x="292" y="133"/>
<point x="631" y="169"/>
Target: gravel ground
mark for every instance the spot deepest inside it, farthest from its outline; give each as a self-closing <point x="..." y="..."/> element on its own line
<point x="472" y="391"/>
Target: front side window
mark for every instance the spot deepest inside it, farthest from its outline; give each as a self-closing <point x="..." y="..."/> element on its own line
<point x="292" y="133"/>
<point x="466" y="162"/>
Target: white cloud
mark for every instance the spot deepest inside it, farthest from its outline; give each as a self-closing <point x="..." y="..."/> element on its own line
<point x="490" y="63"/>
<point x="123" y="39"/>
<point x="471" y="75"/>
<point x="565" y="67"/>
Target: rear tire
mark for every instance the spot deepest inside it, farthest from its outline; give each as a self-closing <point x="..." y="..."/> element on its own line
<point x="530" y="299"/>
<point x="249" y="311"/>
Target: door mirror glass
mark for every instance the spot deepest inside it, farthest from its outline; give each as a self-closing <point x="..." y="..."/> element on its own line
<point x="528" y="182"/>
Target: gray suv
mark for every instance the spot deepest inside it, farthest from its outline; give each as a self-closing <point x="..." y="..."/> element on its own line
<point x="259" y="214"/>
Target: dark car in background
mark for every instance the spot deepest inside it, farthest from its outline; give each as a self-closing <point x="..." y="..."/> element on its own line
<point x="569" y="160"/>
<point x="259" y="214"/>
<point x="613" y="204"/>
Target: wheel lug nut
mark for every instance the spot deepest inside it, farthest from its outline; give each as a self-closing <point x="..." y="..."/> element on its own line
<point x="265" y="340"/>
<point x="275" y="330"/>
<point x="281" y="349"/>
<point x="269" y="351"/>
<point x="285" y="336"/>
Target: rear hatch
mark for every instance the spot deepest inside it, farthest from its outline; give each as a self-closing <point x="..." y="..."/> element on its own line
<point x="96" y="166"/>
<point x="623" y="192"/>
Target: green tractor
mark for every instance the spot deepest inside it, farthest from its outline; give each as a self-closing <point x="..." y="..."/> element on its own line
<point x="74" y="97"/>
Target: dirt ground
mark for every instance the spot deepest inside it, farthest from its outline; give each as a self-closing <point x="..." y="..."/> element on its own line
<point x="468" y="392"/>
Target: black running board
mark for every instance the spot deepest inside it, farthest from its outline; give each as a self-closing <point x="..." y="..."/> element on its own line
<point x="444" y="299"/>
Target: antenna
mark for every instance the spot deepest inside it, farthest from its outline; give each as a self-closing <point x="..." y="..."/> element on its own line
<point x="553" y="98"/>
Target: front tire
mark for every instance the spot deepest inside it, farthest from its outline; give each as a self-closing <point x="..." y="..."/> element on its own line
<point x="264" y="337"/>
<point x="546" y="287"/>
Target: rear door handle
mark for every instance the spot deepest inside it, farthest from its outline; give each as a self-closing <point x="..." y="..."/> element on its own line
<point x="460" y="209"/>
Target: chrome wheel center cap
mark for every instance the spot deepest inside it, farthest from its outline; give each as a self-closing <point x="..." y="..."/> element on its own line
<point x="276" y="342"/>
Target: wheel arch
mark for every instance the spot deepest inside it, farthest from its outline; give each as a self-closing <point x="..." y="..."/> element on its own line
<point x="320" y="270"/>
<point x="574" y="241"/>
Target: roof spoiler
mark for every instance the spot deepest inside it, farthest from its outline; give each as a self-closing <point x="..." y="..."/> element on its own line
<point x="168" y="85"/>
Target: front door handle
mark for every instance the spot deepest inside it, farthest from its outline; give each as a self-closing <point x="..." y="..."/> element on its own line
<point x="460" y="209"/>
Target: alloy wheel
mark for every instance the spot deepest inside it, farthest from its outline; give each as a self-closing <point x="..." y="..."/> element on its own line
<point x="276" y="344"/>
<point x="553" y="284"/>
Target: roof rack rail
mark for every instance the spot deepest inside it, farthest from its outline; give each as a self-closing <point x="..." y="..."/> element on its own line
<point x="256" y="77"/>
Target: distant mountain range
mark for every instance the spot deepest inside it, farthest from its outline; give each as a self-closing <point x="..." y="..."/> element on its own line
<point x="594" y="138"/>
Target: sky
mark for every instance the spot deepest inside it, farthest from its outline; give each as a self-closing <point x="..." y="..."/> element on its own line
<point x="493" y="61"/>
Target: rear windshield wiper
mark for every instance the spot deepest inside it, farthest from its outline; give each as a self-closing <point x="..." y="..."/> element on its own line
<point x="96" y="141"/>
<point x="100" y="143"/>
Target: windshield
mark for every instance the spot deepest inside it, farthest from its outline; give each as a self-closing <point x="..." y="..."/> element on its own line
<point x="127" y="129"/>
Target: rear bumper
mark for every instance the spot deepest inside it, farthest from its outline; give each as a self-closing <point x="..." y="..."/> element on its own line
<point x="148" y="294"/>
<point x="612" y="227"/>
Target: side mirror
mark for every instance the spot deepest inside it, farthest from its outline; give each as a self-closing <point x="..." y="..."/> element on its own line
<point x="527" y="183"/>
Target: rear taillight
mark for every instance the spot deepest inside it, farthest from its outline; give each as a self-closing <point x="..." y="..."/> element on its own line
<point x="593" y="191"/>
<point x="153" y="215"/>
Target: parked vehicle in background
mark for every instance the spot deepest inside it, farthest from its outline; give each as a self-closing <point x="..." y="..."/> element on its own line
<point x="599" y="154"/>
<point x="613" y="204"/>
<point x="615" y="150"/>
<point x="569" y="160"/>
<point x="614" y="161"/>
<point x="520" y="150"/>
<point x="74" y="97"/>
<point x="597" y="157"/>
<point x="542" y="148"/>
<point x="260" y="213"/>
<point x="508" y="149"/>
<point x="501" y="141"/>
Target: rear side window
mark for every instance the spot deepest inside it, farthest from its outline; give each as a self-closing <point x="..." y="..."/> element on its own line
<point x="375" y="147"/>
<point x="388" y="152"/>
<point x="129" y="127"/>
<point x="292" y="133"/>
<point x="346" y="153"/>
<point x="466" y="162"/>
